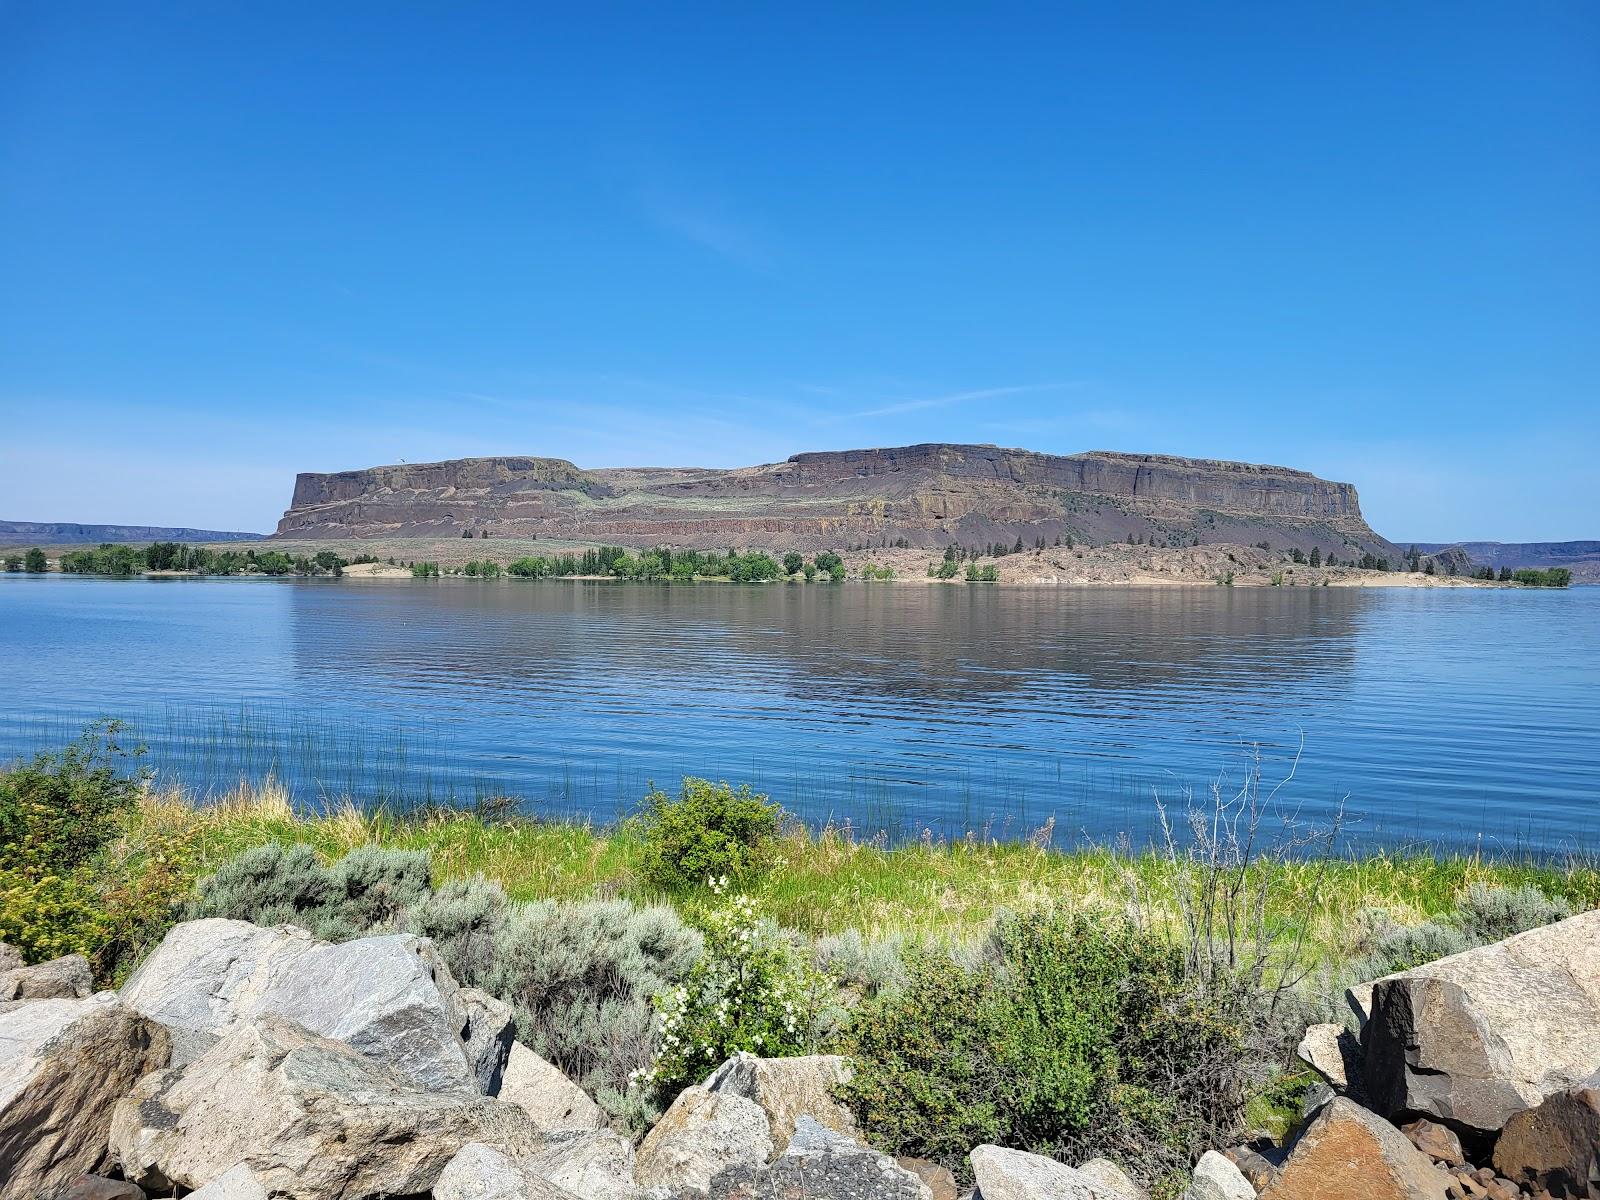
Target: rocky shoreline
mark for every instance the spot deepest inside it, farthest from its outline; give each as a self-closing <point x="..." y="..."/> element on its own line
<point x="241" y="1062"/>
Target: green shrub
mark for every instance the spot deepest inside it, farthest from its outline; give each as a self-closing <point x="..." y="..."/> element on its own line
<point x="1075" y="1036"/>
<point x="710" y="831"/>
<point x="1482" y="915"/>
<point x="861" y="966"/>
<point x="61" y="808"/>
<point x="1487" y="914"/>
<point x="581" y="978"/>
<point x="69" y="881"/>
<point x="368" y="890"/>
<point x="750" y="989"/>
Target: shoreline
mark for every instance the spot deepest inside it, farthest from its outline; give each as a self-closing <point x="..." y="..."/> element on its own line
<point x="1218" y="564"/>
<point x="828" y="881"/>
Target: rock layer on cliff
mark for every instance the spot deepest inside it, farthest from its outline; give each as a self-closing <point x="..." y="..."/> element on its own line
<point x="927" y="495"/>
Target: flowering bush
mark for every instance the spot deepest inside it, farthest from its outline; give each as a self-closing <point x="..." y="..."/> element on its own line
<point x="749" y="990"/>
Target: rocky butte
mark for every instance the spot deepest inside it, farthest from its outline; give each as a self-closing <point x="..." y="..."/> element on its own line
<point x="928" y="496"/>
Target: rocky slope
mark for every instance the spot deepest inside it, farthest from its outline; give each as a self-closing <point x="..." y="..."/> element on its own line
<point x="65" y="533"/>
<point x="927" y="496"/>
<point x="1581" y="558"/>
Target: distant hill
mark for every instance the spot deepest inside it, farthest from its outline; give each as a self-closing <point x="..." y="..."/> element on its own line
<point x="925" y="496"/>
<point x="1581" y="558"/>
<point x="64" y="533"/>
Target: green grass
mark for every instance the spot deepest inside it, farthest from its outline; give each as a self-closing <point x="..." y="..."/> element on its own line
<point x="828" y="882"/>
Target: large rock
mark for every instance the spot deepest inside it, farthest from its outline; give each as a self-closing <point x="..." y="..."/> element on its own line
<point x="237" y="1183"/>
<point x="1555" y="1146"/>
<point x="820" y="1164"/>
<point x="597" y="1164"/>
<point x="311" y="1117"/>
<point x="1218" y="1178"/>
<point x="1017" y="1175"/>
<point x="702" y="1134"/>
<point x="63" y="1064"/>
<point x="788" y="1089"/>
<point x="487" y="1030"/>
<point x="65" y="978"/>
<point x="391" y="998"/>
<point x="940" y="1181"/>
<point x="546" y="1095"/>
<point x="1333" y="1052"/>
<point x="1349" y="1153"/>
<point x="10" y="957"/>
<point x="480" y="1172"/>
<point x="1110" y="1182"/>
<point x="1473" y="1039"/>
<point x="98" y="1187"/>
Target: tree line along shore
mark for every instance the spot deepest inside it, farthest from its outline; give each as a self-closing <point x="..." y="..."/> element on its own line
<point x="1064" y="561"/>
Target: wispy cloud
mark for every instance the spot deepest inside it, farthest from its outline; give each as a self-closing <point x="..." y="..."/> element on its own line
<point x="707" y="222"/>
<point x="955" y="398"/>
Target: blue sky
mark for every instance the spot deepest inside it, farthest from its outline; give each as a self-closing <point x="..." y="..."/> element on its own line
<point x="237" y="241"/>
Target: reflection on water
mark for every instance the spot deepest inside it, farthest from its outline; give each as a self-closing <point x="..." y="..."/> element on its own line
<point x="1434" y="715"/>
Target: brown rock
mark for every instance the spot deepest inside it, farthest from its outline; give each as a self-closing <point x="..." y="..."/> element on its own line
<point x="1254" y="1166"/>
<point x="1348" y="1153"/>
<point x="938" y="1180"/>
<point x="98" y="1187"/>
<point x="1436" y="1141"/>
<point x="66" y="978"/>
<point x="63" y="1065"/>
<point x="1555" y="1146"/>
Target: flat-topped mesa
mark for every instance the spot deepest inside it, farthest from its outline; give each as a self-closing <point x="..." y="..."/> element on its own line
<point x="928" y="495"/>
<point x="1202" y="482"/>
<point x="516" y="472"/>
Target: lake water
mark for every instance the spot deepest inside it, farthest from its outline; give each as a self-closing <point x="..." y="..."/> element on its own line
<point x="1439" y="716"/>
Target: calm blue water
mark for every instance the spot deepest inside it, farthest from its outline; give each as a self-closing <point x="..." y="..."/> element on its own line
<point x="1440" y="716"/>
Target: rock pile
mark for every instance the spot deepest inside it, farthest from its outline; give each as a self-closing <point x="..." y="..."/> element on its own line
<point x="242" y="1063"/>
<point x="1474" y="1076"/>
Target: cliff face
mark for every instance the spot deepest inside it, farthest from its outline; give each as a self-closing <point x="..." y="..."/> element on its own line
<point x="928" y="495"/>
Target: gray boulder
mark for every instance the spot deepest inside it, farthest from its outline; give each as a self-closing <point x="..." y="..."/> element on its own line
<point x="10" y="957"/>
<point x="65" y="978"/>
<point x="1216" y="1177"/>
<point x="1333" y="1052"/>
<point x="480" y="1172"/>
<point x="820" y="1164"/>
<point x="1017" y="1175"/>
<point x="237" y="1183"/>
<point x="1473" y="1039"/>
<point x="788" y="1089"/>
<point x="63" y="1064"/>
<point x="310" y="1116"/>
<point x="487" y="1031"/>
<point x="391" y="998"/>
<point x="701" y="1135"/>
<point x="596" y="1164"/>
<point x="546" y="1095"/>
<point x="1111" y="1182"/>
